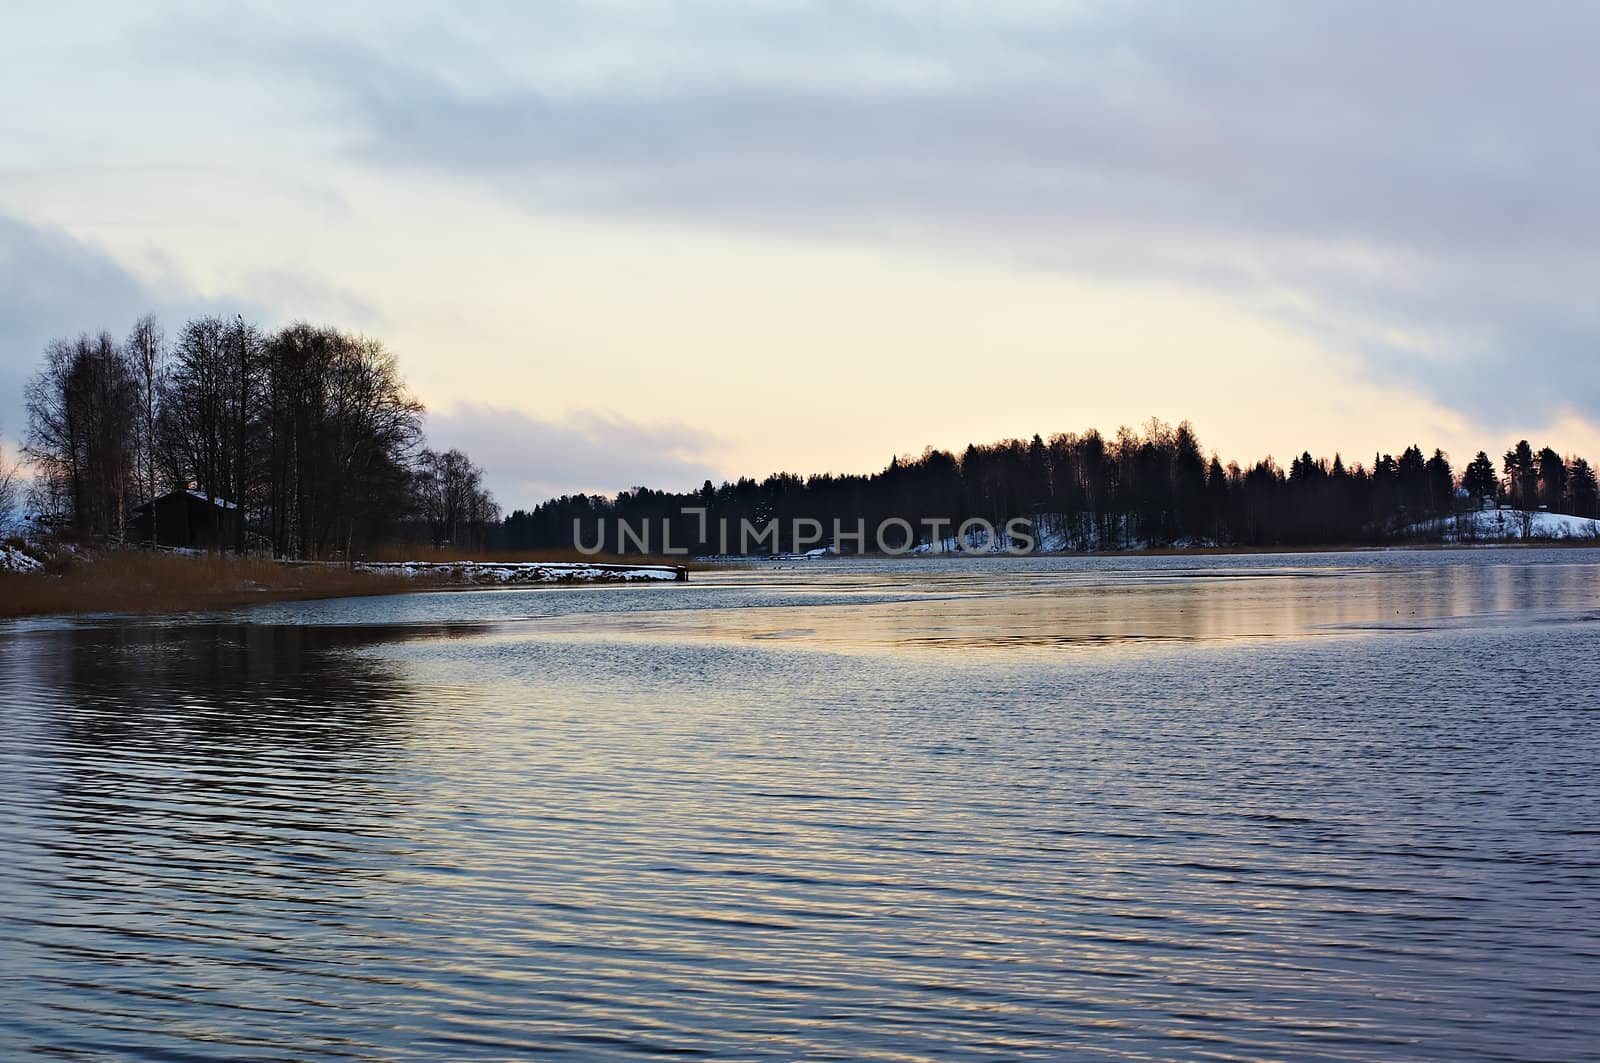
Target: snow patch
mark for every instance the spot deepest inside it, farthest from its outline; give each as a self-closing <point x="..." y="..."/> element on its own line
<point x="526" y="572"/>
<point x="220" y="502"/>
<point x="14" y="560"/>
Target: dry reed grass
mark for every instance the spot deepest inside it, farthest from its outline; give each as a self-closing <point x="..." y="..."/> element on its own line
<point x="139" y="581"/>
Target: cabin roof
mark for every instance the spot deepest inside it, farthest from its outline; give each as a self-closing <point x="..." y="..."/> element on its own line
<point x="198" y="496"/>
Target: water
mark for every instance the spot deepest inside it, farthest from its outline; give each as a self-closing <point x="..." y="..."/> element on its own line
<point x="1289" y="807"/>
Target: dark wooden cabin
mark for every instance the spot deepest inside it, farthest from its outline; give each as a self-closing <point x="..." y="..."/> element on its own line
<point x="186" y="519"/>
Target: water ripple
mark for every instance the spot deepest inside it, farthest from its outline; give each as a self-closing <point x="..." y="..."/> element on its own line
<point x="230" y="838"/>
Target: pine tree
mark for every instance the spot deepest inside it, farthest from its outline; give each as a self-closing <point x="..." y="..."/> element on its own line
<point x="1441" y="483"/>
<point x="1552" y="480"/>
<point x="1583" y="492"/>
<point x="1480" y="479"/>
<point x="1522" y="476"/>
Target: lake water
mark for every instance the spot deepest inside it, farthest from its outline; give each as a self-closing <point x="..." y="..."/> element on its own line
<point x="1339" y="806"/>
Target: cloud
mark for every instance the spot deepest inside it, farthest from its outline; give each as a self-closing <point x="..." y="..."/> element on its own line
<point x="308" y="298"/>
<point x="529" y="459"/>
<point x="52" y="285"/>
<point x="1413" y="181"/>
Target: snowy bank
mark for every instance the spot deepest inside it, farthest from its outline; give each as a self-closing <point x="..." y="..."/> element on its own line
<point x="506" y="573"/>
<point x="1497" y="525"/>
<point x="14" y="560"/>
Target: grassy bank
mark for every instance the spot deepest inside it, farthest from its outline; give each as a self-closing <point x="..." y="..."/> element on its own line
<point x="137" y="581"/>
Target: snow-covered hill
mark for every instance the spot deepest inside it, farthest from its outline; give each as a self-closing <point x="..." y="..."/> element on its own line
<point x="1490" y="525"/>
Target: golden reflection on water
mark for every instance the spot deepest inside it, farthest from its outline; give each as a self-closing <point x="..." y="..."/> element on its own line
<point x="1011" y="611"/>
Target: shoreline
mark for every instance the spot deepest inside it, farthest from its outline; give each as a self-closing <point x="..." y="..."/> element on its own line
<point x="144" y="584"/>
<point x="138" y="582"/>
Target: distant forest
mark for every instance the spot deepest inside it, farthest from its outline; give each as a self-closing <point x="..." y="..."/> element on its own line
<point x="311" y="435"/>
<point x="1149" y="488"/>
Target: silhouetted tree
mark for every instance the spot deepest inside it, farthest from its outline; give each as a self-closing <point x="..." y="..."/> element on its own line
<point x="10" y="490"/>
<point x="1189" y="484"/>
<point x="1582" y="490"/>
<point x="1441" y="484"/>
<point x="1480" y="478"/>
<point x="146" y="352"/>
<point x="451" y="498"/>
<point x="198" y="410"/>
<point x="82" y="417"/>
<point x="1522" y="476"/>
<point x="1552" y="480"/>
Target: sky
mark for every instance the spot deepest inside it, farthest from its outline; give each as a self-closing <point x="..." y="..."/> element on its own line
<point x="625" y="243"/>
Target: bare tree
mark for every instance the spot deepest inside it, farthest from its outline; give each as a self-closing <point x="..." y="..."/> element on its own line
<point x="10" y="490"/>
<point x="195" y="408"/>
<point x="55" y="440"/>
<point x="451" y="498"/>
<point x="299" y="363"/>
<point x="336" y="445"/>
<point x="375" y="426"/>
<point x="82" y="420"/>
<point x="246" y="373"/>
<point x="147" y="351"/>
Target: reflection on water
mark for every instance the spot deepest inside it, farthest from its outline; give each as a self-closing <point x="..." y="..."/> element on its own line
<point x="1267" y="809"/>
<point x="1013" y="604"/>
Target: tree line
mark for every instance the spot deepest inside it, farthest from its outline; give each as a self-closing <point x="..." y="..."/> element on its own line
<point x="308" y="433"/>
<point x="1149" y="488"/>
<point x="312" y="436"/>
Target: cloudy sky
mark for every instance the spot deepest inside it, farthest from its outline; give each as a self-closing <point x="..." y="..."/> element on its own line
<point x="621" y="243"/>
